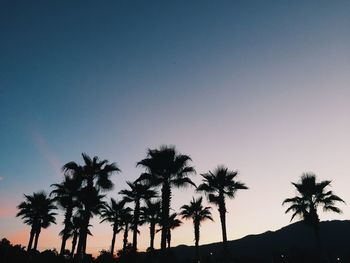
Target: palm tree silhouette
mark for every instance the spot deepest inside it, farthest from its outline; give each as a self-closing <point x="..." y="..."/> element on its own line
<point x="138" y="192"/>
<point x="151" y="214"/>
<point x="173" y="223"/>
<point x="76" y="223"/>
<point x="112" y="213"/>
<point x="94" y="200"/>
<point x="36" y="211"/>
<point x="66" y="196"/>
<point x="95" y="177"/>
<point x="311" y="195"/>
<point x="126" y="219"/>
<point x="166" y="168"/>
<point x="217" y="186"/>
<point x="198" y="214"/>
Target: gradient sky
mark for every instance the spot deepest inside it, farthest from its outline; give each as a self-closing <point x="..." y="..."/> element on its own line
<point x="260" y="86"/>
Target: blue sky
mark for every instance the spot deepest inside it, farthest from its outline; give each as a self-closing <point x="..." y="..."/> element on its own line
<point x="261" y="86"/>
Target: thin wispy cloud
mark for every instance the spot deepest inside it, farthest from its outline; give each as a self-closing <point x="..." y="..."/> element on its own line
<point x="46" y="151"/>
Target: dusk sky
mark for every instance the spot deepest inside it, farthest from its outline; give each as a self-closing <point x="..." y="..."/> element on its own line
<point x="260" y="86"/>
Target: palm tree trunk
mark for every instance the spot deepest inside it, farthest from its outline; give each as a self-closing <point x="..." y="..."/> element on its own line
<point x="196" y="237"/>
<point x="83" y="235"/>
<point x="166" y="197"/>
<point x="85" y="245"/>
<point x="169" y="238"/>
<point x="113" y="241"/>
<point x="63" y="244"/>
<point x="36" y="239"/>
<point x="31" y="238"/>
<point x="152" y="230"/>
<point x="84" y="229"/>
<point x="67" y="223"/>
<point x="74" y="243"/>
<point x="222" y="212"/>
<point x="125" y="238"/>
<point x="80" y="242"/>
<point x="136" y="223"/>
<point x="223" y="226"/>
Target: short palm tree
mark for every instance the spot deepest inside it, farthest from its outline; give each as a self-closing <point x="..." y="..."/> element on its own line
<point x="198" y="214"/>
<point x="217" y="186"/>
<point x="36" y="211"/>
<point x="112" y="213"/>
<point x="173" y="223"/>
<point x="151" y="214"/>
<point x="126" y="219"/>
<point x="138" y="192"/>
<point x="311" y="195"/>
<point x="166" y="168"/>
<point x="66" y="196"/>
<point x="95" y="177"/>
<point x="76" y="224"/>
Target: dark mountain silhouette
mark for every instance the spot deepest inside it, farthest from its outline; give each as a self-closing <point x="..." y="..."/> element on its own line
<point x="294" y="240"/>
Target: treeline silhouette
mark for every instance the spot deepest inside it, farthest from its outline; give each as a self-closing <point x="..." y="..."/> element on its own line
<point x="81" y="196"/>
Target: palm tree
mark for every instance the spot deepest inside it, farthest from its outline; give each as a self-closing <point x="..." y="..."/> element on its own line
<point x="112" y="213"/>
<point x="173" y="223"/>
<point x="95" y="177"/>
<point x="138" y="192"/>
<point x="217" y="186"/>
<point x="151" y="214"/>
<point x="76" y="224"/>
<point x="311" y="195"/>
<point x="126" y="219"/>
<point x="166" y="168"/>
<point x="36" y="211"/>
<point x="65" y="195"/>
<point x="198" y="214"/>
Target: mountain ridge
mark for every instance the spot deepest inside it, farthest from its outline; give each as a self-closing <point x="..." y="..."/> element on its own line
<point x="294" y="239"/>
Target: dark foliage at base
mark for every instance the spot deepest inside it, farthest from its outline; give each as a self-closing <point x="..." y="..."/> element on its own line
<point x="17" y="254"/>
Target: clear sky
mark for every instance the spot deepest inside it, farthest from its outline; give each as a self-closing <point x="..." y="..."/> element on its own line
<point x="260" y="86"/>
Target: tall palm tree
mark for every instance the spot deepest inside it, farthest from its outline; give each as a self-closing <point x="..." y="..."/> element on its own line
<point x="66" y="196"/>
<point x="36" y="211"/>
<point x="166" y="168"/>
<point x="151" y="214"/>
<point x="138" y="192"/>
<point x="198" y="214"/>
<point x="95" y="177"/>
<point x="112" y="213"/>
<point x="311" y="195"/>
<point x="218" y="186"/>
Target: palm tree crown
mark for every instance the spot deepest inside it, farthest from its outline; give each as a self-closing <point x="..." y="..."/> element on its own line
<point x="112" y="213"/>
<point x="311" y="195"/>
<point x="37" y="211"/>
<point x="196" y="211"/>
<point x="173" y="223"/>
